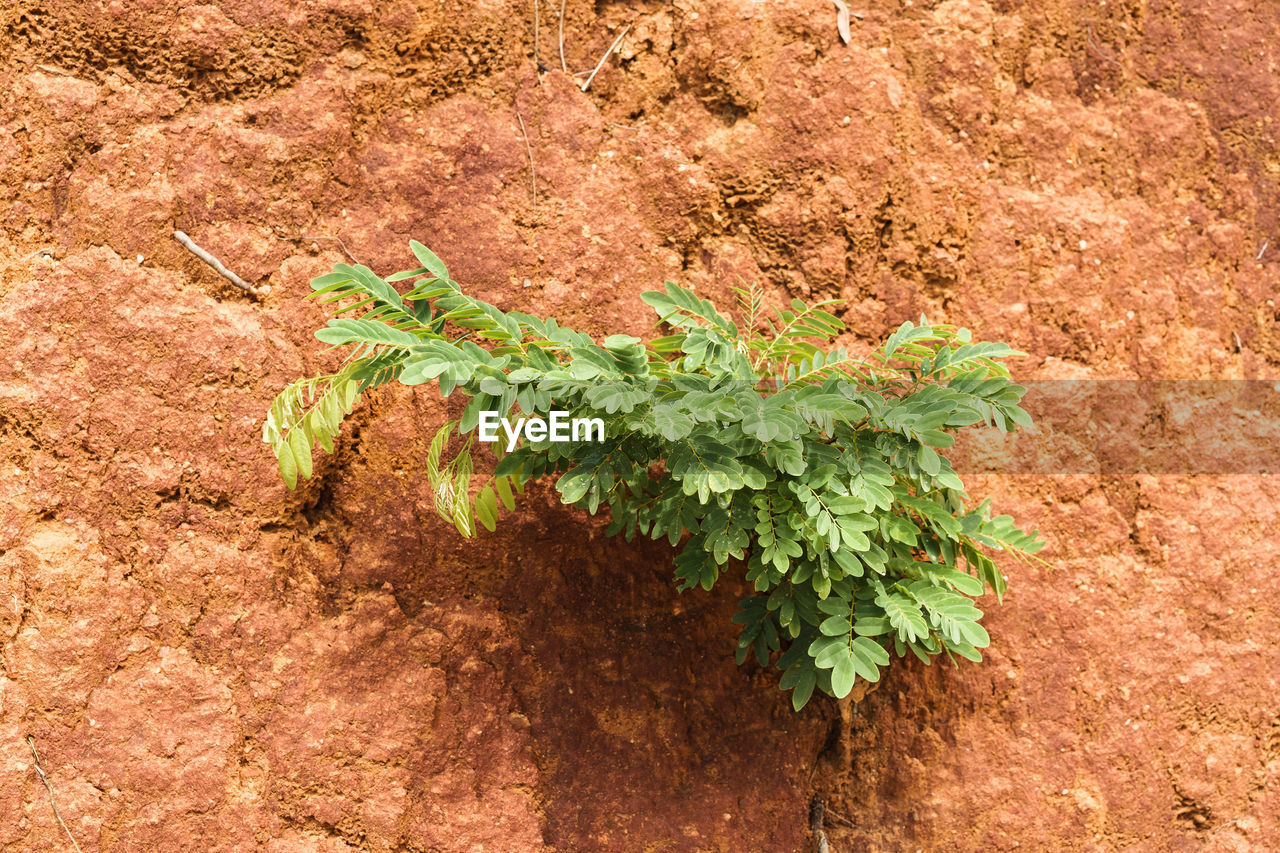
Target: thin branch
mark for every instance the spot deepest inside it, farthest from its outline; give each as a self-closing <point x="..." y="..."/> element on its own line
<point x="335" y="239"/>
<point x="1097" y="51"/>
<point x="563" y="66"/>
<point x="1265" y="244"/>
<point x="528" y="149"/>
<point x="49" y="69"/>
<point x="600" y="64"/>
<point x="31" y="742"/>
<point x="839" y="818"/>
<point x="218" y="267"/>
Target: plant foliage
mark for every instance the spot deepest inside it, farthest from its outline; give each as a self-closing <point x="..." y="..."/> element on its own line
<point x="751" y="440"/>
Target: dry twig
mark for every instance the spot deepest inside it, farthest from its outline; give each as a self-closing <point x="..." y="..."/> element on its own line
<point x="218" y="267"/>
<point x="337" y="240"/>
<point x="600" y="64"/>
<point x="837" y="817"/>
<point x="49" y="69"/>
<point x="1097" y="51"/>
<point x="1265" y="244"/>
<point x="563" y="66"/>
<point x="528" y="149"/>
<point x="31" y="742"/>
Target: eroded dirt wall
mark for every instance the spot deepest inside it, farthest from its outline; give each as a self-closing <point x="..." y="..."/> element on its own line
<point x="209" y="662"/>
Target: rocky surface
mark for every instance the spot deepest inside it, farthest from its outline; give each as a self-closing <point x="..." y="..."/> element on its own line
<point x="207" y="661"/>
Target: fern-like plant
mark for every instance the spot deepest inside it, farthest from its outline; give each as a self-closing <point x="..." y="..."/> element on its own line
<point x="754" y="441"/>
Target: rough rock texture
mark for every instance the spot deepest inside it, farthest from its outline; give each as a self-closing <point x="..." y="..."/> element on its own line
<point x="209" y="662"/>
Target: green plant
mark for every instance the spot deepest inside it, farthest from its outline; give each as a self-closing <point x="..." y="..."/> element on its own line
<point x="753" y="441"/>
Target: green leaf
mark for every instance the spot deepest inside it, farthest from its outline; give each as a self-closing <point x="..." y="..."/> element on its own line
<point x="679" y="307"/>
<point x="704" y="467"/>
<point x="592" y="363"/>
<point x="301" y="449"/>
<point x="965" y="583"/>
<point x="905" y="334"/>
<point x="965" y="651"/>
<point x="974" y="634"/>
<point x="503" y="488"/>
<point x="487" y="509"/>
<point x="432" y="359"/>
<point x="671" y="423"/>
<point x="929" y="461"/>
<point x="769" y="421"/>
<point x="695" y="568"/>
<point x="803" y="689"/>
<point x="954" y="616"/>
<point x="904" y="615"/>
<point x="868" y="656"/>
<point x="614" y="397"/>
<point x="343" y="331"/>
<point x="843" y="675"/>
<point x="835" y="607"/>
<point x="288" y="464"/>
<point x="428" y="259"/>
<point x="835" y="626"/>
<point x="463" y="518"/>
<point x="872" y="626"/>
<point x="574" y="485"/>
<point x="401" y="276"/>
<point x="944" y="602"/>
<point x="901" y="529"/>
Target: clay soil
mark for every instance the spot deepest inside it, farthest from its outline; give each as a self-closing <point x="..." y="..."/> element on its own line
<point x="209" y="662"/>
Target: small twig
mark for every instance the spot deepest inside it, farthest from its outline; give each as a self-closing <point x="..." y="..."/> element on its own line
<point x="49" y="69"/>
<point x="218" y="267"/>
<point x="600" y="64"/>
<point x="31" y="742"/>
<point x="1265" y="244"/>
<point x="45" y="251"/>
<point x="563" y="67"/>
<point x="528" y="149"/>
<point x="839" y="818"/>
<point x="1097" y="50"/>
<point x="337" y="240"/>
<point x="1223" y="826"/>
